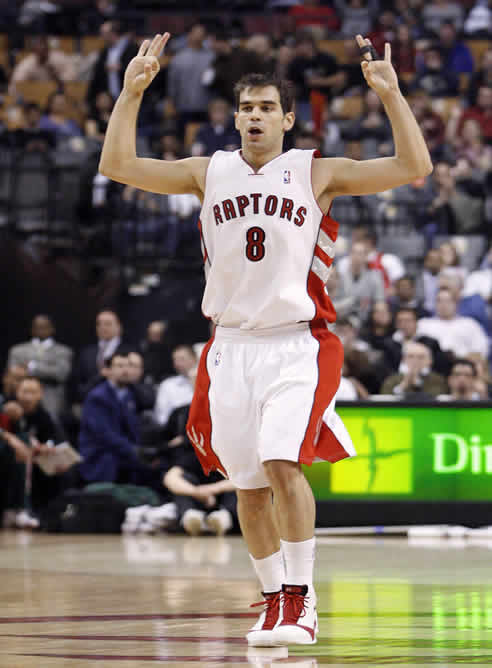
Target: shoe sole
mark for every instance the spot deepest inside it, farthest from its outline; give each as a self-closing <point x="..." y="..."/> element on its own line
<point x="261" y="639"/>
<point x="281" y="639"/>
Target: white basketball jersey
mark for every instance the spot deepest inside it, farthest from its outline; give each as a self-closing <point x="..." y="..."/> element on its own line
<point x="266" y="244"/>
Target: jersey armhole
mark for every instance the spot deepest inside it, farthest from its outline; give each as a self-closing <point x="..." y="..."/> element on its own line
<point x="315" y="155"/>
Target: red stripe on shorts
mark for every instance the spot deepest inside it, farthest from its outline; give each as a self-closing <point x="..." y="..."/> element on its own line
<point x="318" y="442"/>
<point x="199" y="425"/>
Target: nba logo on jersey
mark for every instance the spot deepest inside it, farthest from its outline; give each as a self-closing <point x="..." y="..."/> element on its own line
<point x="217" y="359"/>
<point x="286" y="175"/>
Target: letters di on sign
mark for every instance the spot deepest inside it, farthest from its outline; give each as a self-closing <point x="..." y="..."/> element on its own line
<point x="453" y="454"/>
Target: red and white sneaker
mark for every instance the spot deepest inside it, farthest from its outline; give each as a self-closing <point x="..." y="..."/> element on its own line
<point x="299" y="619"/>
<point x="261" y="634"/>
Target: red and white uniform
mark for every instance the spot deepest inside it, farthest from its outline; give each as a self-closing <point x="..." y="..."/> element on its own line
<point x="267" y="380"/>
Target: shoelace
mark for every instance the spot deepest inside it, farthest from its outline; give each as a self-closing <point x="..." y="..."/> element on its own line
<point x="272" y="606"/>
<point x="294" y="607"/>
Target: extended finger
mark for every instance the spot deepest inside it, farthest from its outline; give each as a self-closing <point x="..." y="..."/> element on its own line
<point x="387" y="52"/>
<point x="154" y="45"/>
<point x="143" y="47"/>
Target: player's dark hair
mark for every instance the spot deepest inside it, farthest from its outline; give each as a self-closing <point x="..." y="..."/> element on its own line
<point x="256" y="80"/>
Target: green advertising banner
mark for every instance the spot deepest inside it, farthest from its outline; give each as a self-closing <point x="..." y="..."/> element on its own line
<point x="424" y="453"/>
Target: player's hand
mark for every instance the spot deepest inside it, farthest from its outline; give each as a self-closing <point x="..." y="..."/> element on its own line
<point x="379" y="74"/>
<point x="143" y="69"/>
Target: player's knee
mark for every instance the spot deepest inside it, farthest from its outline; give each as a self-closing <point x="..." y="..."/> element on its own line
<point x="283" y="475"/>
<point x="254" y="500"/>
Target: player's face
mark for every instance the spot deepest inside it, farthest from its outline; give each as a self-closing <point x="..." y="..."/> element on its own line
<point x="260" y="119"/>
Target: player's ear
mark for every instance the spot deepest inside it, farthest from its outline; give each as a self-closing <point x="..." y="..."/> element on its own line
<point x="235" y="120"/>
<point x="289" y="120"/>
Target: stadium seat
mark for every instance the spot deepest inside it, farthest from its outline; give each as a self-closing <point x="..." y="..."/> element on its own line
<point x="36" y="91"/>
<point x="478" y="48"/>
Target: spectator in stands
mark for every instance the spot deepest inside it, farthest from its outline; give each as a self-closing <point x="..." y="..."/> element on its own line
<point x="452" y="210"/>
<point x="219" y="134"/>
<point x="470" y="147"/>
<point x="483" y="378"/>
<point x="311" y="70"/>
<point x="406" y="330"/>
<point x="372" y="127"/>
<point x="187" y="89"/>
<point x="229" y="64"/>
<point x="145" y="393"/>
<point x="177" y="390"/>
<point x="110" y="66"/>
<point x="388" y="265"/>
<point x="403" y="50"/>
<point x="378" y="334"/>
<point x="457" y="334"/>
<point x="261" y="45"/>
<point x="480" y="77"/>
<point x="29" y="136"/>
<point x="357" y="16"/>
<point x="315" y="17"/>
<point x="12" y="376"/>
<point x="470" y="306"/>
<point x="478" y="23"/>
<point x="47" y="360"/>
<point x="156" y="352"/>
<point x="462" y="382"/>
<point x="433" y="77"/>
<point x="415" y="378"/>
<point x="92" y="358"/>
<point x="457" y="55"/>
<point x="349" y="79"/>
<point x="480" y="282"/>
<point x="37" y="428"/>
<point x="481" y="112"/>
<point x="99" y="13"/>
<point x="384" y="30"/>
<point x="430" y="122"/>
<point x="43" y="64"/>
<point x="437" y="12"/>
<point x="405" y="297"/>
<point x="331" y="138"/>
<point x="109" y="431"/>
<point x="56" y="118"/>
<point x="429" y="280"/>
<point x="365" y="286"/>
<point x="97" y="121"/>
<point x="451" y="260"/>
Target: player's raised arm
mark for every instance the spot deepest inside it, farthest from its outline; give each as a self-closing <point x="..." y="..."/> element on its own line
<point x="119" y="159"/>
<point x="341" y="176"/>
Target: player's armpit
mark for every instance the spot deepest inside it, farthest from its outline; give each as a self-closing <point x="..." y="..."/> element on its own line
<point x="165" y="177"/>
<point x="342" y="176"/>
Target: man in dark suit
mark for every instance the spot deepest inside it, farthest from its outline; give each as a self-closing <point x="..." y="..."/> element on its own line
<point x="92" y="358"/>
<point x="112" y="61"/>
<point x="109" y="431"/>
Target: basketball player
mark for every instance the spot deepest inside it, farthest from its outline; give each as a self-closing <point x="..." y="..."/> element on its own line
<point x="265" y="391"/>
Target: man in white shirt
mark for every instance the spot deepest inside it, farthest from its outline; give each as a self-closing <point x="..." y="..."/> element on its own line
<point x="176" y="391"/>
<point x="457" y="334"/>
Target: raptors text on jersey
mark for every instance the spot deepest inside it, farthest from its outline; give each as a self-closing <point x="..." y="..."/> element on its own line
<point x="267" y="246"/>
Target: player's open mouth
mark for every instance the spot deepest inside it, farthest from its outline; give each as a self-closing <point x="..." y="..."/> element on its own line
<point x="254" y="131"/>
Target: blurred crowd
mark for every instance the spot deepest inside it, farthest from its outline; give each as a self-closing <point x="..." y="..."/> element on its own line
<point x="412" y="282"/>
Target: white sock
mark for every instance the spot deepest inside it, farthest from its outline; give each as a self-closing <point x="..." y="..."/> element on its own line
<point x="270" y="571"/>
<point x="299" y="561"/>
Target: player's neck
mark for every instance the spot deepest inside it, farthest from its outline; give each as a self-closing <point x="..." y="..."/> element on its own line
<point x="257" y="159"/>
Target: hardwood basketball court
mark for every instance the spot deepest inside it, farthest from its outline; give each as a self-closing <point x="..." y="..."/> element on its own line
<point x="132" y="601"/>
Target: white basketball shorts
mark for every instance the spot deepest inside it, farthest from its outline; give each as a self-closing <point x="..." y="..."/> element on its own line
<point x="267" y="394"/>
